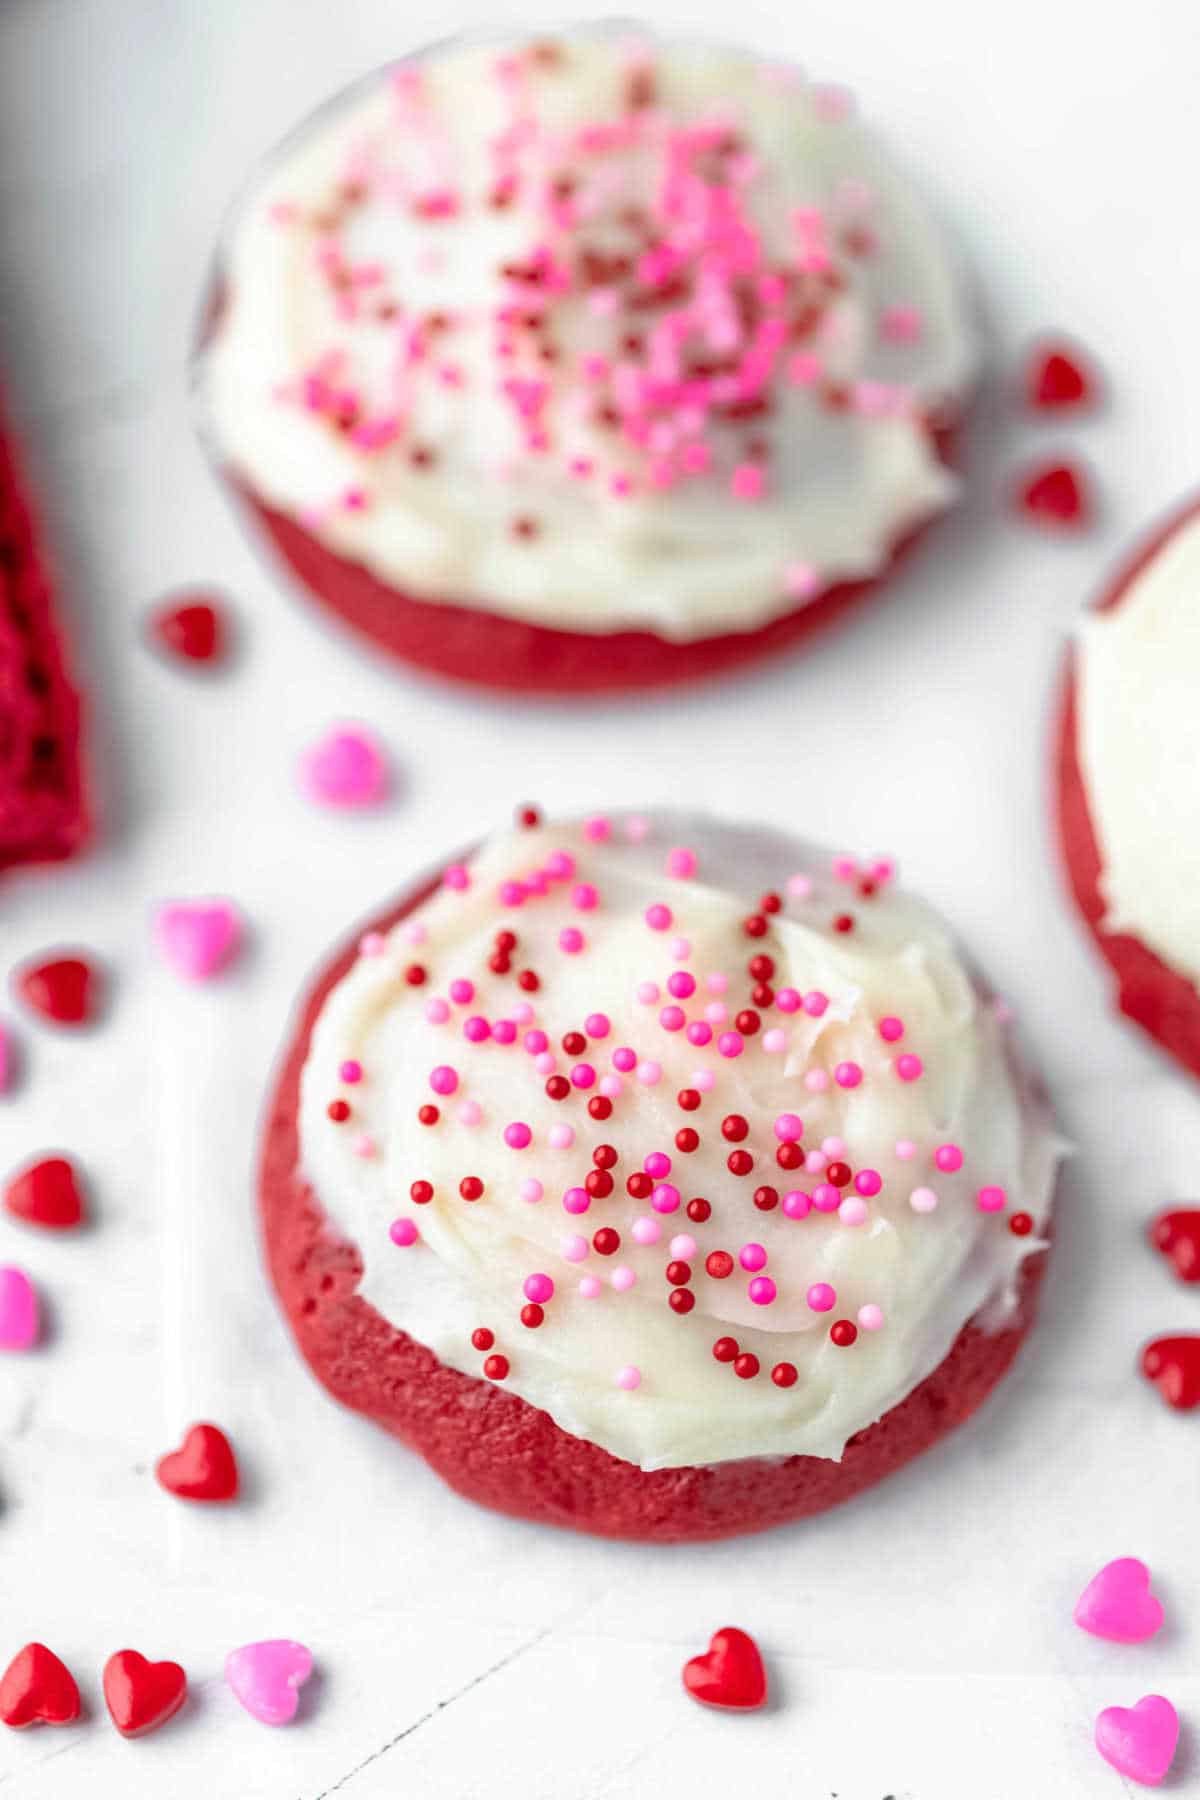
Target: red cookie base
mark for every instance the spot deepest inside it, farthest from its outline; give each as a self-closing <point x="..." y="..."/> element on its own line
<point x="42" y="812"/>
<point x="495" y="1448"/>
<point x="1155" y="996"/>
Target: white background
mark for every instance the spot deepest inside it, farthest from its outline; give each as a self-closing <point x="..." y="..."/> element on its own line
<point x="920" y="1641"/>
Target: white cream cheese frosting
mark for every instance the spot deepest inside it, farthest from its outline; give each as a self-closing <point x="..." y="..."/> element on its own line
<point x="869" y="1160"/>
<point x="1139" y="749"/>
<point x="595" y="334"/>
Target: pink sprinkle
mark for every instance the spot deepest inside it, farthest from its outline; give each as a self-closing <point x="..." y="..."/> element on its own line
<point x="848" y="1075"/>
<point x="372" y="943"/>
<point x="900" y="324"/>
<point x="815" y="1161"/>
<point x="890" y="1030"/>
<point x="575" y="1248"/>
<point x="681" y="949"/>
<point x="561" y="1137"/>
<point x="589" y="1288"/>
<point x="415" y="932"/>
<point x="531" y="1190"/>
<point x="364" y="1145"/>
<point x="816" y="1081"/>
<point x="470" y="1113"/>
<point x="560" y="865"/>
<point x="576" y="1200"/>
<point x="923" y="1200"/>
<point x="796" y="1204"/>
<point x="748" y="482"/>
<point x="351" y="1072"/>
<point x="522" y="1012"/>
<point x="681" y="984"/>
<point x="536" y="1042"/>
<point x="658" y="917"/>
<point x="845" y="868"/>
<point x="629" y="1378"/>
<point x="665" y="1198"/>
<point x="853" y="1211"/>
<point x="762" y="1290"/>
<point x="646" y="1230"/>
<point x="683" y="1246"/>
<point x="504" y="1031"/>
<point x="623" y="1278"/>
<point x="657" y="1164"/>
<point x="403" y="1233"/>
<point x="870" y="1316"/>
<point x="774" y="1041"/>
<point x="787" y="1000"/>
<point x="347" y="768"/>
<point x="681" y="863"/>
<point x="610" y="1086"/>
<point x="538" y="1288"/>
<point x="788" y="1128"/>
<point x="649" y="1073"/>
<point x="584" y="896"/>
<point x="717" y="983"/>
<point x="905" y="1149"/>
<point x="570" y="940"/>
<point x="597" y="830"/>
<point x="518" y="1135"/>
<point x="637" y="828"/>
<point x="443" y="1079"/>
<point x="624" y="1059"/>
<point x="704" y="1080"/>
<point x="716" y="1012"/>
<point x="476" y="1029"/>
<point x="800" y="581"/>
<point x="991" y="1199"/>
<point x="583" y="1075"/>
<point x="647" y="992"/>
<point x="597" y="1025"/>
<point x="436" y="1011"/>
<point x="462" y="992"/>
<point x="672" y="1018"/>
<point x="457" y="878"/>
<point x="815" y="1003"/>
<point x="800" y="887"/>
<point x="821" y="1297"/>
<point x="948" y="1158"/>
<point x="868" y="1182"/>
<point x="752" y="1257"/>
<point x="909" y="1067"/>
<point x="826" y="1198"/>
<point x="731" y="1043"/>
<point x="512" y="893"/>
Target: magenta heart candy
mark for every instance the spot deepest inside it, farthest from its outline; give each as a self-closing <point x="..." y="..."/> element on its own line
<point x="1117" y="1603"/>
<point x="198" y="937"/>
<point x="267" y="1678"/>
<point x="346" y="768"/>
<point x="18" y="1310"/>
<point x="1139" y="1741"/>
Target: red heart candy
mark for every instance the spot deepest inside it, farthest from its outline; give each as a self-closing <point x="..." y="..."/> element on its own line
<point x="38" y="1689"/>
<point x="1057" y="377"/>
<point x="66" y="989"/>
<point x="1177" y="1236"/>
<point x="203" y="1468"/>
<point x="141" y="1695"/>
<point x="1055" y="495"/>
<point x="193" y="628"/>
<point x="731" y="1674"/>
<point x="46" y="1194"/>
<point x="1173" y="1365"/>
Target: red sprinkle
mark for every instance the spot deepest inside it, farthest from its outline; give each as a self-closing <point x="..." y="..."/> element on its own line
<point x="843" y="1333"/>
<point x="482" y="1338"/>
<point x="725" y="1349"/>
<point x="784" y="1374"/>
<point x="496" y="1368"/>
<point x="1055" y="496"/>
<point x="745" y="1366"/>
<point x="1057" y="377"/>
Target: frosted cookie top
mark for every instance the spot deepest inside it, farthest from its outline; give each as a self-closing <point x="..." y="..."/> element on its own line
<point x="593" y="333"/>
<point x="701" y="1142"/>
<point x="1139" y="750"/>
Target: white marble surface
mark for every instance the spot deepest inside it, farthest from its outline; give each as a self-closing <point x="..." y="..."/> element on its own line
<point x="920" y="1640"/>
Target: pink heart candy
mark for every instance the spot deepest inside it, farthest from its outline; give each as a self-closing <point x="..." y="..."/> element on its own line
<point x="198" y="937"/>
<point x="267" y="1678"/>
<point x="1139" y="1741"/>
<point x="18" y="1310"/>
<point x="1117" y="1603"/>
<point x="347" y="768"/>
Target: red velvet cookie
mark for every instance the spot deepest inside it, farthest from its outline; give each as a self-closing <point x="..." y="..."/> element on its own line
<point x="498" y="1448"/>
<point x="1159" y="997"/>
<point x="567" y="367"/>
<point x="42" y="811"/>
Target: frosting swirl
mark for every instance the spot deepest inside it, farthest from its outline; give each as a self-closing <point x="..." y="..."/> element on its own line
<point x="622" y="1060"/>
<point x="596" y="334"/>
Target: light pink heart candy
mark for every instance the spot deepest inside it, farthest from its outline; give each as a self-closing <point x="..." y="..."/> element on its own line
<point x="1139" y="1741"/>
<point x="18" y="1310"/>
<point x="267" y="1678"/>
<point x="1117" y="1603"/>
<point x="346" y="768"/>
<point x="198" y="937"/>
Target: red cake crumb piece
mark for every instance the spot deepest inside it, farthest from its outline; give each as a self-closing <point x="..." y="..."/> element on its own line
<point x="1058" y="377"/>
<point x="42" y="812"/>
